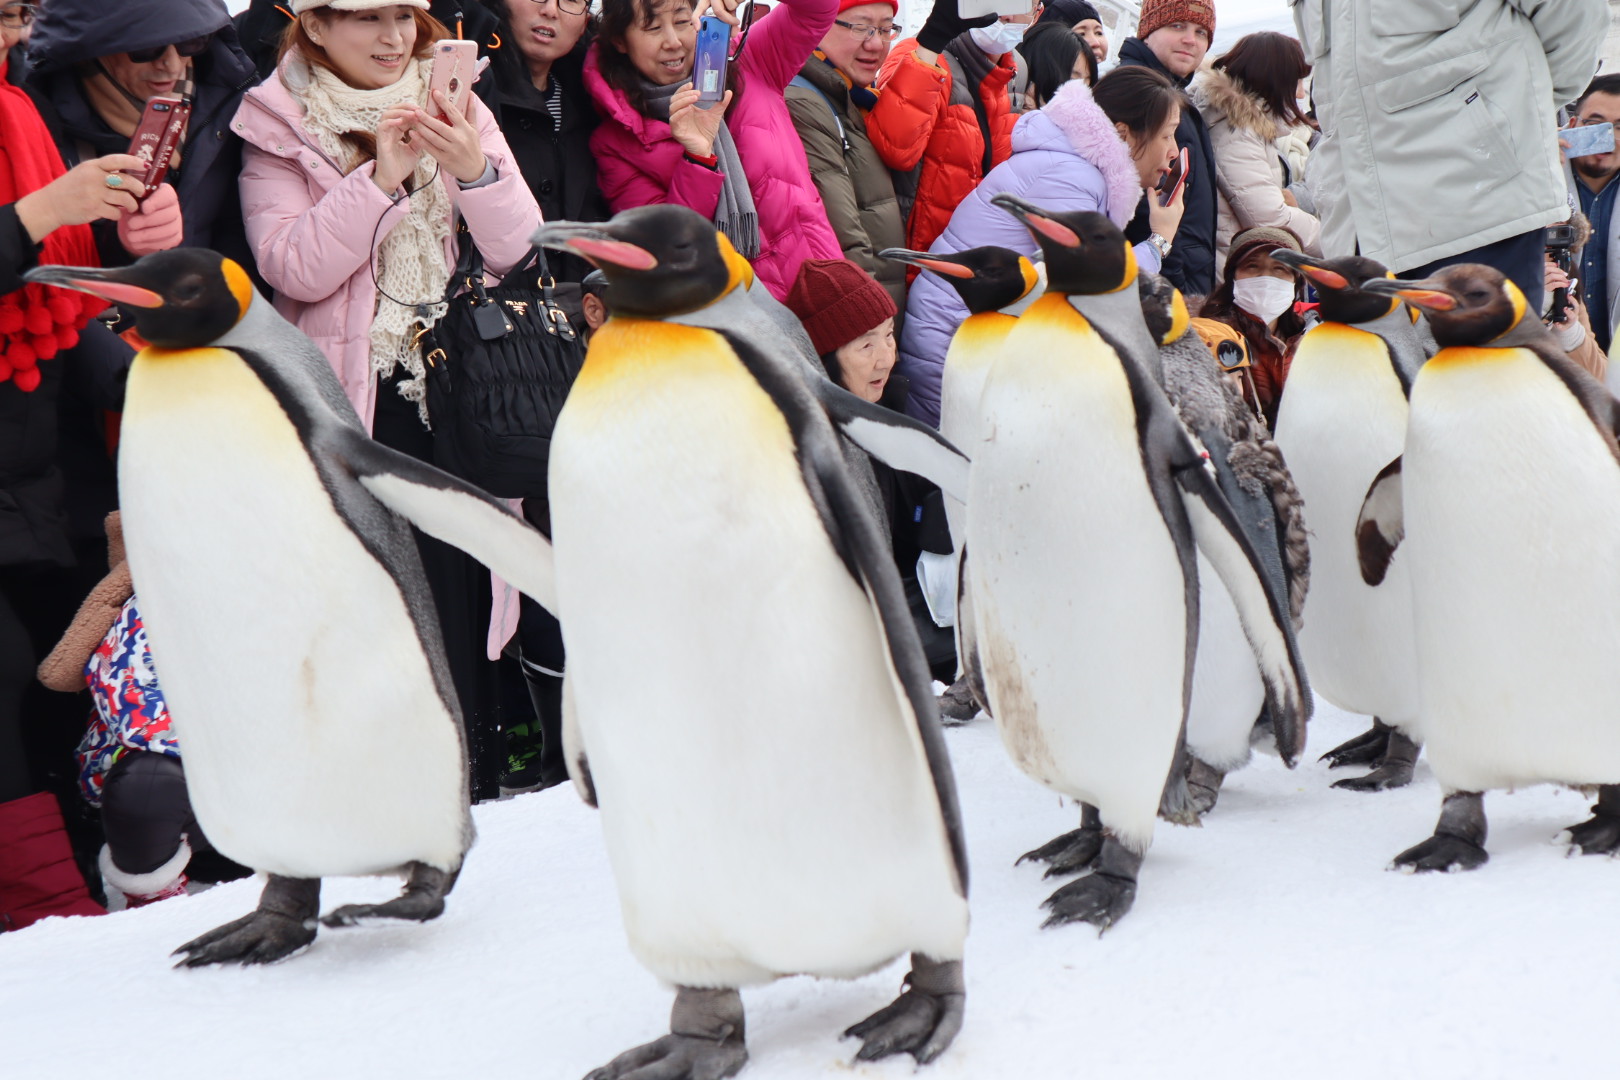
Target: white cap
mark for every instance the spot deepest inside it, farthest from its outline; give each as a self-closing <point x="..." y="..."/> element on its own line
<point x="301" y="6"/>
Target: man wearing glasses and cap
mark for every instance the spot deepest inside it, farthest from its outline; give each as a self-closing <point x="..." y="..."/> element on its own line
<point x="93" y="67"/>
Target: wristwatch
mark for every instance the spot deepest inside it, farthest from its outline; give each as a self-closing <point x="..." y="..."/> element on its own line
<point x="1160" y="244"/>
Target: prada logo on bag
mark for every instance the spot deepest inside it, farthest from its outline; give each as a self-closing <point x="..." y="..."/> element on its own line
<point x="521" y="307"/>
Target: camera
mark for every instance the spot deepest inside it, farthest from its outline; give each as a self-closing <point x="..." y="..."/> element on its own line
<point x="1560" y="239"/>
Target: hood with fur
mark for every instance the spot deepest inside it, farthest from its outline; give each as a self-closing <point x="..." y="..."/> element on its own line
<point x="1221" y="97"/>
<point x="1087" y="129"/>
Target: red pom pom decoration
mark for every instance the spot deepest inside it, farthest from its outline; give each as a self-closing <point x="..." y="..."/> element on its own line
<point x="37" y="321"/>
<point x="64" y="309"/>
<point x="11" y="318"/>
<point x="21" y="355"/>
<point x="27" y="381"/>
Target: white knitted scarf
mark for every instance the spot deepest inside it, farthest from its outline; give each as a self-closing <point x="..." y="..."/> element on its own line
<point x="411" y="270"/>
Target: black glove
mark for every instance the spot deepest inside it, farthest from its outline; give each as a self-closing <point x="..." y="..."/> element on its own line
<point x="944" y="24"/>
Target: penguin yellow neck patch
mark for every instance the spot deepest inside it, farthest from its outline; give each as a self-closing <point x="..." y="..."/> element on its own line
<point x="1458" y="356"/>
<point x="741" y="271"/>
<point x="628" y="348"/>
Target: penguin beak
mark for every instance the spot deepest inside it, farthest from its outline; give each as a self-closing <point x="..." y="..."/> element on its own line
<point x="1037" y="221"/>
<point x="1299" y="264"/>
<point x="1429" y="294"/>
<point x="595" y="243"/>
<point x="928" y="262"/>
<point x="117" y="285"/>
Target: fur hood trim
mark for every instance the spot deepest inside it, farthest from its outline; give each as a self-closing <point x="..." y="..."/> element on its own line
<point x="1093" y="137"/>
<point x="1218" y="92"/>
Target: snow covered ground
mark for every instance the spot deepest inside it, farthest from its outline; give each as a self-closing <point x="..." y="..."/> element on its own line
<point x="1270" y="943"/>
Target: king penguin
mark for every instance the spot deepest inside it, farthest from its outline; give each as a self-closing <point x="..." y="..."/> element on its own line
<point x="1341" y="419"/>
<point x="997" y="285"/>
<point x="1227" y="691"/>
<point x="776" y="795"/>
<point x="286" y="604"/>
<point x="1506" y="506"/>
<point x="1088" y="503"/>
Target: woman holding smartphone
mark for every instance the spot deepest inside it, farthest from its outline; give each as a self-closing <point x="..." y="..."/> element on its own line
<point x="738" y="161"/>
<point x="352" y="186"/>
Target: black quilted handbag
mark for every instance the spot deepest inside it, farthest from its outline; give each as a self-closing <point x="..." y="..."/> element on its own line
<point x="499" y="367"/>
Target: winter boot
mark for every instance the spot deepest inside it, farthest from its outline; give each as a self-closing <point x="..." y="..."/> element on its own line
<point x="142" y="889"/>
<point x="542" y="764"/>
<point x="38" y="877"/>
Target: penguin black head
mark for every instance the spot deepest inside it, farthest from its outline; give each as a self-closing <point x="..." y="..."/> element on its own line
<point x="986" y="278"/>
<point x="1164" y="309"/>
<point x="1085" y="252"/>
<point x="1339" y="285"/>
<point x="183" y="298"/>
<point x="1467" y="304"/>
<point x="660" y="260"/>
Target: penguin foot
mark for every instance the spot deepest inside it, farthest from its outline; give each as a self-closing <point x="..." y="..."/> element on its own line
<point x="1441" y="852"/>
<point x="1394" y="771"/>
<point x="1098" y="899"/>
<point x="1600" y="835"/>
<point x="706" y="1042"/>
<point x="957" y="705"/>
<point x="283" y="924"/>
<point x="1368" y="748"/>
<point x="922" y="1021"/>
<point x="676" y="1057"/>
<point x="1203" y="786"/>
<point x="423" y="899"/>
<point x="1068" y="854"/>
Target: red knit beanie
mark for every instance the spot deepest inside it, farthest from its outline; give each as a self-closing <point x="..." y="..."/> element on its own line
<point x="845" y="5"/>
<point x="1160" y="13"/>
<point x="838" y="302"/>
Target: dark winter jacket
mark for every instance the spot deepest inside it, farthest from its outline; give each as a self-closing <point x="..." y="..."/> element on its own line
<point x="855" y="184"/>
<point x="1191" y="265"/>
<point x="555" y="160"/>
<point x="69" y="33"/>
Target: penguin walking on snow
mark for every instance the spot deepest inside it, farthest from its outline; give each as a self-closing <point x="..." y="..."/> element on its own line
<point x="997" y="285"/>
<point x="1228" y="694"/>
<point x="775" y="791"/>
<point x="1088" y="504"/>
<point x="1342" y="418"/>
<point x="1506" y="507"/>
<point x="322" y="733"/>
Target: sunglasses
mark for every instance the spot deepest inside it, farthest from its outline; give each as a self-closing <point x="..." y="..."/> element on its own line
<point x="196" y="46"/>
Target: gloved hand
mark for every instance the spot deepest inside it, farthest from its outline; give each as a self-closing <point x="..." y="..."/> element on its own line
<point x="944" y="23"/>
<point x="156" y="226"/>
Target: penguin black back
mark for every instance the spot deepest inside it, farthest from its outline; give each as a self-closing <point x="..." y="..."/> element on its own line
<point x="183" y="298"/>
<point x="660" y="260"/>
<point x="1085" y="252"/>
<point x="986" y="278"/>
<point x="1339" y="285"/>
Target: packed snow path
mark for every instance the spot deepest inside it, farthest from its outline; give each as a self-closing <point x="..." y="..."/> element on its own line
<point x="1269" y="943"/>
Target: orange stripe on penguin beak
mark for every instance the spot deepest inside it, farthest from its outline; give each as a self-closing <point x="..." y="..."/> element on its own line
<point x="1054" y="231"/>
<point x="948" y="269"/>
<point x="115" y="291"/>
<point x="1328" y="279"/>
<point x="613" y="252"/>
<point x="1428" y="299"/>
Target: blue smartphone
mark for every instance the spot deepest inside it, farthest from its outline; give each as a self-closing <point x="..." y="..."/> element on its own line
<point x="709" y="67"/>
<point x="1588" y="139"/>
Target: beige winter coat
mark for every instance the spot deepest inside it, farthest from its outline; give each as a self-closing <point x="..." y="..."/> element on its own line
<point x="1249" y="171"/>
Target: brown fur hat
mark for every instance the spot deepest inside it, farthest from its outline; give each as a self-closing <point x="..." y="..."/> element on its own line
<point x="64" y="669"/>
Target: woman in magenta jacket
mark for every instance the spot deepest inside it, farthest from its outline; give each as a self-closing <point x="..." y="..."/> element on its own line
<point x="741" y="164"/>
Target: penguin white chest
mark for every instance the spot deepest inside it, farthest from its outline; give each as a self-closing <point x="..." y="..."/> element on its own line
<point x="765" y="798"/>
<point x="313" y="735"/>
<point x="1342" y="419"/>
<point x="1079" y="593"/>
<point x="1512" y="509"/>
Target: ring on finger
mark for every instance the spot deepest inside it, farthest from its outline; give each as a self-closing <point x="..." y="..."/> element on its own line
<point x="114" y="180"/>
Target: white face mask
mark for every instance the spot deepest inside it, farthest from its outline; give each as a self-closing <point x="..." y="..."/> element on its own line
<point x="1266" y="298"/>
<point x="999" y="37"/>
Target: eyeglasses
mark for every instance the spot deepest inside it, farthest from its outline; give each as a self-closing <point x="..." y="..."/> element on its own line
<point x="194" y="47"/>
<point x="17" y="16"/>
<point x="567" y="7"/>
<point x="866" y="32"/>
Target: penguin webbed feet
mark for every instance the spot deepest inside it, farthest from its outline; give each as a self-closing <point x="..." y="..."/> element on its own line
<point x="1394" y="769"/>
<point x="706" y="1042"/>
<point x="958" y="705"/>
<point x="1368" y="748"/>
<point x="1102" y="897"/>
<point x="421" y="900"/>
<point x="283" y="924"/>
<point x="1067" y="854"/>
<point x="1458" y="842"/>
<point x="1600" y="834"/>
<point x="1203" y="786"/>
<point x="923" y="1020"/>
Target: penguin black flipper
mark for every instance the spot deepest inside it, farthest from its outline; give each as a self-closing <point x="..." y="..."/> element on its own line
<point x="454" y="511"/>
<point x="896" y="439"/>
<point x="1381" y="525"/>
<point x="854" y="535"/>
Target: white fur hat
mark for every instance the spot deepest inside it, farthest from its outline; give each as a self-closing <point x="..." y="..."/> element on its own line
<point x="301" y="6"/>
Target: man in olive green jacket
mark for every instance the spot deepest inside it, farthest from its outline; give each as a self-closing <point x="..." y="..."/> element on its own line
<point x="1438" y="117"/>
<point x="828" y="102"/>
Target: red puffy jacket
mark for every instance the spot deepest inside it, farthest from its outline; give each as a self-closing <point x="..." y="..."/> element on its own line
<point x="927" y="119"/>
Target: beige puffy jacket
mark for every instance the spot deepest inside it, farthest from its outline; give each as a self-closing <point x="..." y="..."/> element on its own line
<point x="1249" y="171"/>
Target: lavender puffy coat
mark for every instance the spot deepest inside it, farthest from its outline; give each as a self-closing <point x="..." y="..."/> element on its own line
<point x="315" y="231"/>
<point x="1066" y="156"/>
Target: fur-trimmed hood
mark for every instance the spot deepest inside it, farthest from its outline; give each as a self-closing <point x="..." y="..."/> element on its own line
<point x="1220" y="97"/>
<point x="1080" y="121"/>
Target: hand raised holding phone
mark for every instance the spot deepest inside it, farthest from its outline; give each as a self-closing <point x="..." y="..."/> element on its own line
<point x="692" y="125"/>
